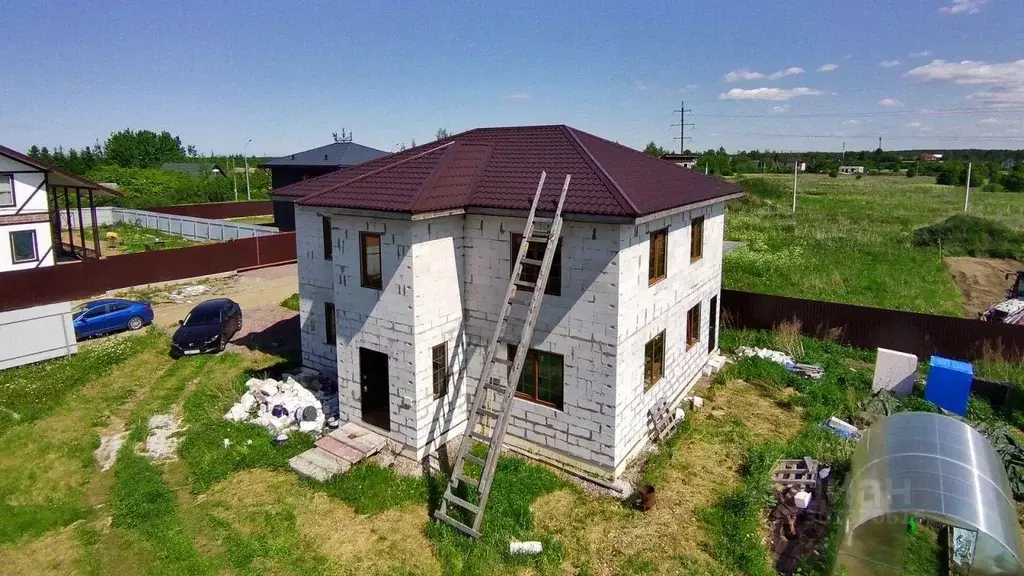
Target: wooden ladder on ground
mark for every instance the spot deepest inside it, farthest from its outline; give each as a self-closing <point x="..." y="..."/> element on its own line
<point x="489" y="384"/>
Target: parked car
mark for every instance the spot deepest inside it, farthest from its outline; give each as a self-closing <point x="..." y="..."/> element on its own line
<point x="207" y="328"/>
<point x="110" y="315"/>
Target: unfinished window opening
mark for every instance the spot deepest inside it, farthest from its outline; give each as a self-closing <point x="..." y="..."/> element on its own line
<point x="330" y="323"/>
<point x="697" y="239"/>
<point x="542" y="379"/>
<point x="7" y="190"/>
<point x="328" y="241"/>
<point x="654" y="360"/>
<point x="439" y="356"/>
<point x="659" y="251"/>
<point x="23" y="246"/>
<point x="693" y="326"/>
<point x="535" y="251"/>
<point x="369" y="256"/>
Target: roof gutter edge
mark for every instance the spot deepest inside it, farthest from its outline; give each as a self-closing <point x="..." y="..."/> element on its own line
<point x="685" y="208"/>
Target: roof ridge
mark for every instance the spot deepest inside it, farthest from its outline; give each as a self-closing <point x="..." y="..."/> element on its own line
<point x="435" y="173"/>
<point x="620" y="195"/>
<point x="375" y="171"/>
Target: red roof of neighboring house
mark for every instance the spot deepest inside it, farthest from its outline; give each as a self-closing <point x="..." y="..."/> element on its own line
<point x="500" y="167"/>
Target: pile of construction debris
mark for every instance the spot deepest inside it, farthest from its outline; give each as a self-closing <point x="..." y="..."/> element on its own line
<point x="812" y="371"/>
<point x="799" y="522"/>
<point x="285" y="406"/>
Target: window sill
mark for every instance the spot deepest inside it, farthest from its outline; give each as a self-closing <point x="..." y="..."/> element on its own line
<point x="534" y="402"/>
<point x="648" y="387"/>
<point x="691" y="345"/>
<point x="25" y="261"/>
<point x="656" y="281"/>
<point x="695" y="260"/>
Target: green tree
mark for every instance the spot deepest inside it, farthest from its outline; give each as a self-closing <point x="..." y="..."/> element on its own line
<point x="441" y="134"/>
<point x="654" y="150"/>
<point x="911" y="172"/>
<point x="142" y="149"/>
<point x="34" y="151"/>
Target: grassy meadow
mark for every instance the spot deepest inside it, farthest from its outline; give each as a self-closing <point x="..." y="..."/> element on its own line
<point x="850" y="240"/>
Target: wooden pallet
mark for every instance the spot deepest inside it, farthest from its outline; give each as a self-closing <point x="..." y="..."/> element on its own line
<point x="798" y="474"/>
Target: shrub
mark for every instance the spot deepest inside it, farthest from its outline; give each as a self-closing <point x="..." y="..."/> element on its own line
<point x="911" y="172"/>
<point x="963" y="235"/>
<point x="763" y="188"/>
<point x="859" y="176"/>
<point x="833" y="173"/>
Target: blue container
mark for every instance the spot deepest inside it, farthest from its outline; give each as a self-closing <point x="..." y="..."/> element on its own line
<point x="949" y="384"/>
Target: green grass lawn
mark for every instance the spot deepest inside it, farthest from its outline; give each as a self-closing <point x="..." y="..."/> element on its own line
<point x="850" y="240"/>
<point x="239" y="509"/>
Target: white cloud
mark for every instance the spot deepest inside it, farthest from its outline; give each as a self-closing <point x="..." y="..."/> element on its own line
<point x="688" y="87"/>
<point x="769" y="94"/>
<point x="963" y="7"/>
<point x="889" y="63"/>
<point x="988" y="122"/>
<point x="890" y="103"/>
<point x="640" y="85"/>
<point x="780" y="109"/>
<point x="848" y="56"/>
<point x="919" y="127"/>
<point x="828" y="67"/>
<point x="851" y="122"/>
<point x="517" y="96"/>
<point x="921" y="54"/>
<point x="748" y="74"/>
<point x="1005" y="80"/>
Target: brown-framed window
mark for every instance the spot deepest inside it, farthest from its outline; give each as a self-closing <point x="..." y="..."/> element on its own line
<point x="696" y="238"/>
<point x="654" y="360"/>
<point x="330" y="323"/>
<point x="7" y="190"/>
<point x="23" y="246"/>
<point x="693" y="326"/>
<point x="328" y="243"/>
<point x="439" y="361"/>
<point x="369" y="260"/>
<point x="656" y="268"/>
<point x="543" y="377"/>
<point x="535" y="251"/>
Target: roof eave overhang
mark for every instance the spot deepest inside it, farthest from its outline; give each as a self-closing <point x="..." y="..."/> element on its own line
<point x="685" y="208"/>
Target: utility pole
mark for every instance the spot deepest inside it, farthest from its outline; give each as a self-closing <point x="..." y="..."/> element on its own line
<point x="682" y="125"/>
<point x="245" y="158"/>
<point x="967" y="198"/>
<point x="795" y="164"/>
<point x="843" y="161"/>
<point x="234" y="178"/>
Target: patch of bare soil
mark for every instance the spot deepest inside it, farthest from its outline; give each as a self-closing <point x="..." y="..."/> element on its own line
<point x="982" y="281"/>
<point x="56" y="553"/>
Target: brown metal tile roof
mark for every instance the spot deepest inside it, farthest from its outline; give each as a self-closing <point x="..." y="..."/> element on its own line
<point x="499" y="168"/>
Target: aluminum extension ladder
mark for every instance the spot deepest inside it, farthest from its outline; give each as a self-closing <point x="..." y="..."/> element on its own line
<point x="489" y="384"/>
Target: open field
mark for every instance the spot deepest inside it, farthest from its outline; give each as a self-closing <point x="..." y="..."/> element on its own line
<point x="240" y="510"/>
<point x="850" y="240"/>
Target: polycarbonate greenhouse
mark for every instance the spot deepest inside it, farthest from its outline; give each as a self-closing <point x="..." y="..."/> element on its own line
<point x="933" y="467"/>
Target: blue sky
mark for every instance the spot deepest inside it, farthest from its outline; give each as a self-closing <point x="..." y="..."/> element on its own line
<point x="783" y="76"/>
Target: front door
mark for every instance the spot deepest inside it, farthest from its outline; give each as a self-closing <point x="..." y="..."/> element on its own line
<point x="713" y="324"/>
<point x="373" y="381"/>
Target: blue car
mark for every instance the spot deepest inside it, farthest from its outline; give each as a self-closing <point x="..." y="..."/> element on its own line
<point x="110" y="315"/>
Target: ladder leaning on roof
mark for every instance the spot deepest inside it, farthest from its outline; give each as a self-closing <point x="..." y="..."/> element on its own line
<point x="489" y="383"/>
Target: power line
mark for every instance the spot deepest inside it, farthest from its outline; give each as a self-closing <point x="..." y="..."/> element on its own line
<point x="682" y="125"/>
<point x="848" y="137"/>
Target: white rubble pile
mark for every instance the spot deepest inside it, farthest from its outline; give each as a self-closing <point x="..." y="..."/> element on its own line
<point x="811" y="371"/>
<point x="282" y="407"/>
<point x="186" y="292"/>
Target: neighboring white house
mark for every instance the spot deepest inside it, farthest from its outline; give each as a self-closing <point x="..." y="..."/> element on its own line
<point x="685" y="160"/>
<point x="851" y="169"/>
<point x="29" y="239"/>
<point x="404" y="261"/>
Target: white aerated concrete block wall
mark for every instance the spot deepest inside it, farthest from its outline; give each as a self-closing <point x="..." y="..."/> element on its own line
<point x="437" y="263"/>
<point x="580" y="325"/>
<point x="645" y="310"/>
<point x="379" y="320"/>
<point x="316" y="286"/>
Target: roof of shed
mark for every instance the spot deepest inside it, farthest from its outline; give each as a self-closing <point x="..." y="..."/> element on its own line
<point x="335" y="154"/>
<point x="499" y="168"/>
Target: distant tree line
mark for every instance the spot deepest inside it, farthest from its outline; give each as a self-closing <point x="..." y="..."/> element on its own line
<point x="132" y="160"/>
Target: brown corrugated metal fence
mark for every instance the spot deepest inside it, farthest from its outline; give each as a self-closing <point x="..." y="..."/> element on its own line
<point x="219" y="210"/>
<point x="865" y="327"/>
<point x="63" y="282"/>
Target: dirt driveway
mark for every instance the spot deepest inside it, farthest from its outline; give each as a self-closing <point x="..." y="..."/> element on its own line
<point x="266" y="325"/>
<point x="982" y="281"/>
